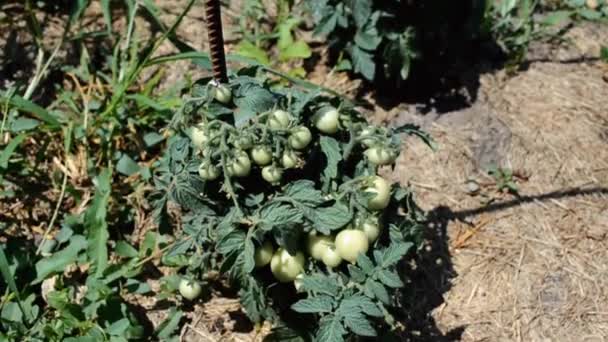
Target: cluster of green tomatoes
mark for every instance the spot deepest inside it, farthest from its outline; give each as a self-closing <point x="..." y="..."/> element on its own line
<point x="331" y="250"/>
<point x="276" y="141"/>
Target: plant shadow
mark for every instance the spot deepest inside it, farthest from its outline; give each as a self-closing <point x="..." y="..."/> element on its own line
<point x="431" y="271"/>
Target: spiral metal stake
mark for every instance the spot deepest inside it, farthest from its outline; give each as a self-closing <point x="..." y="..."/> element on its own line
<point x="213" y="16"/>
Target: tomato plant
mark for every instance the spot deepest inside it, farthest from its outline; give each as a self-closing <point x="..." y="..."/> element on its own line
<point x="280" y="225"/>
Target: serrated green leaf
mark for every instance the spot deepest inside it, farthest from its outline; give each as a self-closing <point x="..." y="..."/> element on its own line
<point x="390" y="279"/>
<point x="395" y="252"/>
<point x="248" y="49"/>
<point x="356" y="274"/>
<point x="327" y="219"/>
<point x="359" y="324"/>
<point x="252" y="300"/>
<point x="278" y="214"/>
<point x="330" y="329"/>
<point x="377" y="290"/>
<point x="333" y="156"/>
<point x="61" y="259"/>
<point x="320" y="283"/>
<point x="368" y="40"/>
<point x="234" y="241"/>
<point x="303" y="191"/>
<point x="318" y="304"/>
<point x="248" y="252"/>
<point x="297" y="50"/>
<point x="366" y="265"/>
<point x="363" y="63"/>
<point x="362" y="10"/>
<point x="251" y="99"/>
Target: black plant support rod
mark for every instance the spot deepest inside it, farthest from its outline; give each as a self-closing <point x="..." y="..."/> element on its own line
<point x="213" y="16"/>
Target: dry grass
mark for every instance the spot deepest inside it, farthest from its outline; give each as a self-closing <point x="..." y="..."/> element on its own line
<point x="534" y="267"/>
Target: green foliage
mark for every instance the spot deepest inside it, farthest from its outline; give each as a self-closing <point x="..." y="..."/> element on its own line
<point x="260" y="33"/>
<point x="375" y="37"/>
<point x="227" y="219"/>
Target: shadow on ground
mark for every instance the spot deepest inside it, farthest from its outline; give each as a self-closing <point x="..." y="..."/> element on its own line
<point x="432" y="272"/>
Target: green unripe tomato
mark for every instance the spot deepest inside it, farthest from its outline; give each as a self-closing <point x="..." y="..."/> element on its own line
<point x="286" y="267"/>
<point x="298" y="282"/>
<point x="239" y="165"/>
<point x="208" y="171"/>
<point x="366" y="136"/>
<point x="317" y="244"/>
<point x="300" y="138"/>
<point x="371" y="228"/>
<point x="261" y="155"/>
<point x="263" y="254"/>
<point x="279" y="119"/>
<point x="199" y="136"/>
<point x="289" y="159"/>
<point x="221" y="93"/>
<point x="189" y="289"/>
<point x="244" y="143"/>
<point x="350" y="243"/>
<point x="380" y="155"/>
<point x="381" y="191"/>
<point x="326" y="120"/>
<point x="331" y="257"/>
<point x="272" y="174"/>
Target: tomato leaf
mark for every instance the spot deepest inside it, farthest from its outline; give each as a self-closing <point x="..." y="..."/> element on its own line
<point x="318" y="304"/>
<point x="333" y="156"/>
<point x="358" y="324"/>
<point x="326" y="219"/>
<point x="320" y="283"/>
<point x="304" y="191"/>
<point x="330" y="329"/>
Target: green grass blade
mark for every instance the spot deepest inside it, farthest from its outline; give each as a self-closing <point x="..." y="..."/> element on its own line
<point x="9" y="149"/>
<point x="10" y="280"/>
<point x="30" y="107"/>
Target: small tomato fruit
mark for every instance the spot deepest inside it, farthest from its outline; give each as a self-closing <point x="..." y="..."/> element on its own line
<point x="208" y="171"/>
<point x="189" y="289"/>
<point x="279" y="119"/>
<point x="317" y="244"/>
<point x="300" y="138"/>
<point x="221" y="93"/>
<point x="199" y="136"/>
<point x="326" y="120"/>
<point x="240" y="165"/>
<point x="350" y="243"/>
<point x="366" y="136"/>
<point x="261" y="155"/>
<point x="298" y="282"/>
<point x="272" y="174"/>
<point x="382" y="193"/>
<point x="331" y="257"/>
<point x="380" y="155"/>
<point x="286" y="267"/>
<point x="263" y="254"/>
<point x="371" y="228"/>
<point x="289" y="160"/>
